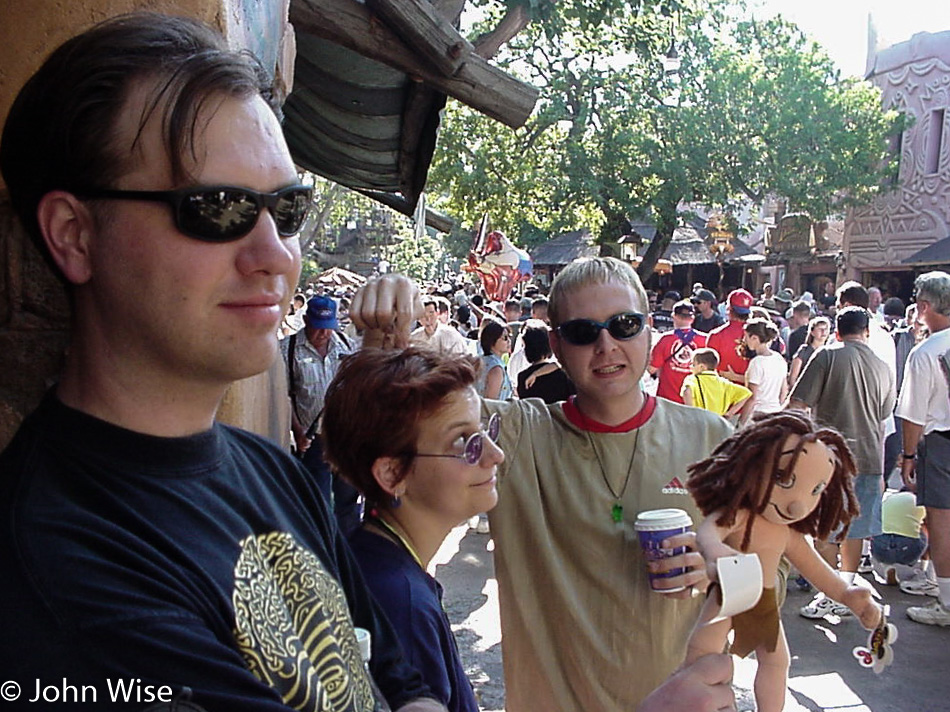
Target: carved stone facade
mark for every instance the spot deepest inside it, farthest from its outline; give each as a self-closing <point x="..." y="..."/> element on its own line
<point x="914" y="77"/>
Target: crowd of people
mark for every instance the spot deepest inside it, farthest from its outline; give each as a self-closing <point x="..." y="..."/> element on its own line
<point x="210" y="568"/>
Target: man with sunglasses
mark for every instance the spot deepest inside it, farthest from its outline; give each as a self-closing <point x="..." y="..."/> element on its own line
<point x="581" y="627"/>
<point x="145" y="547"/>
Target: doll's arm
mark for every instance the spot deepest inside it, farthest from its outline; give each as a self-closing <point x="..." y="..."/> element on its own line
<point x="858" y="599"/>
<point x="710" y="541"/>
<point x="804" y="557"/>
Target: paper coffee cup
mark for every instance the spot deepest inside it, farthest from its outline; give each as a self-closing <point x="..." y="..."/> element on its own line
<point x="655" y="525"/>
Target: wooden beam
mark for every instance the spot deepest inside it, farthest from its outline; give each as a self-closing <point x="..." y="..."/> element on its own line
<point x="439" y="221"/>
<point x="421" y="27"/>
<point x="479" y="84"/>
<point x="450" y="9"/>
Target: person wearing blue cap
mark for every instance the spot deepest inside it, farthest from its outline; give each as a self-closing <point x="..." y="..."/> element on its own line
<point x="312" y="357"/>
<point x="312" y="362"/>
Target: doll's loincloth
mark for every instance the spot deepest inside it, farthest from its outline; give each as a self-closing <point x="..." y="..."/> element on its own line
<point x="758" y="626"/>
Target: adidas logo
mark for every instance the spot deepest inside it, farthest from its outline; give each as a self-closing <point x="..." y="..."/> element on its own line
<point x="674" y="486"/>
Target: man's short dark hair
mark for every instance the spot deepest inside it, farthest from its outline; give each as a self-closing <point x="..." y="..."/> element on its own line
<point x="60" y="132"/>
<point x="801" y="307"/>
<point x="894" y="306"/>
<point x="536" y="343"/>
<point x="707" y="357"/>
<point x="852" y="320"/>
<point x="854" y="294"/>
<point x="442" y="304"/>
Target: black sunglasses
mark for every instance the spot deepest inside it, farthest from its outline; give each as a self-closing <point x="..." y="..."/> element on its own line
<point x="222" y="213"/>
<point x="582" y="332"/>
<point x="472" y="450"/>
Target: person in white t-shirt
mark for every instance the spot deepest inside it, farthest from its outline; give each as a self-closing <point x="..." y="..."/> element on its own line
<point x="924" y="407"/>
<point x="434" y="334"/>
<point x="767" y="374"/>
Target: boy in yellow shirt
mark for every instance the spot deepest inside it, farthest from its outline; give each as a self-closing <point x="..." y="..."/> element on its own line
<point x="704" y="388"/>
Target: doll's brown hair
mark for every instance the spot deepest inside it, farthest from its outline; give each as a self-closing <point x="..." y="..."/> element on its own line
<point x="731" y="479"/>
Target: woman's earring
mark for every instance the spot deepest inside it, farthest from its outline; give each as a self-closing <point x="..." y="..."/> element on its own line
<point x="395" y="501"/>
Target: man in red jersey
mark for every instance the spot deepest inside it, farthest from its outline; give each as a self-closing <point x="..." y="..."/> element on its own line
<point x="727" y="339"/>
<point x="671" y="357"/>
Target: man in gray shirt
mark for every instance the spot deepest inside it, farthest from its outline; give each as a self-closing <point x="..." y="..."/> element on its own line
<point x="849" y="388"/>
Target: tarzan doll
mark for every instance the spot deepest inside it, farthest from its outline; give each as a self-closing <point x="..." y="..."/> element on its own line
<point x="761" y="491"/>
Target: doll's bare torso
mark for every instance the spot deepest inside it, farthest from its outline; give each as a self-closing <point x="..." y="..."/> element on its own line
<point x="768" y="541"/>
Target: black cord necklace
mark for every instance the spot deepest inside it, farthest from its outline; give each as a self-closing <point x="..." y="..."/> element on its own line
<point x="616" y="511"/>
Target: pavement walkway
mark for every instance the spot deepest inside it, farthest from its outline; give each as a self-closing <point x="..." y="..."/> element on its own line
<point x="824" y="675"/>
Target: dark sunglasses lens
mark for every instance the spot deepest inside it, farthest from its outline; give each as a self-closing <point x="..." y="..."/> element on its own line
<point x="217" y="215"/>
<point x="625" y="326"/>
<point x="473" y="449"/>
<point x="494" y="427"/>
<point x="293" y="204"/>
<point x="579" y="332"/>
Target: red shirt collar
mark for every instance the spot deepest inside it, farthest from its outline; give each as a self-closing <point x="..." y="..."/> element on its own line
<point x="581" y="421"/>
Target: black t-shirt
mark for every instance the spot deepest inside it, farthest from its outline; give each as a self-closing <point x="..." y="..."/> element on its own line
<point x="551" y="387"/>
<point x="796" y="338"/>
<point x="663" y="320"/>
<point x="701" y="323"/>
<point x="207" y="562"/>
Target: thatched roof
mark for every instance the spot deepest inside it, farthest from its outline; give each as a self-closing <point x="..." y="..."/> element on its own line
<point x="689" y="246"/>
<point x="936" y="254"/>
<point x="564" y="249"/>
<point x="339" y="277"/>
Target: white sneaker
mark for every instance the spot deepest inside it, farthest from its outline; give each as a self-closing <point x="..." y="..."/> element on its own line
<point x="822" y="606"/>
<point x="934" y="614"/>
<point x="920" y="587"/>
<point x="885" y="573"/>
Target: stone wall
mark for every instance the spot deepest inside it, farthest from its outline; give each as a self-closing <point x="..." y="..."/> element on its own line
<point x="34" y="309"/>
<point x="914" y="77"/>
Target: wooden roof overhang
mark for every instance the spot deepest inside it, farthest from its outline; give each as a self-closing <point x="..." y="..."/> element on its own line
<point x="370" y="80"/>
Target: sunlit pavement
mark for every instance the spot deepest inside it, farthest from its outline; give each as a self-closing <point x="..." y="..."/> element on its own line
<point x="824" y="677"/>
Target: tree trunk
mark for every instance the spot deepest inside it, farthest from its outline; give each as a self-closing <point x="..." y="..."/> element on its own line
<point x="319" y="217"/>
<point x="666" y="220"/>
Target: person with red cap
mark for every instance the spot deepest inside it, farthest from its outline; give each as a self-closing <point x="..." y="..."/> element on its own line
<point x="728" y="340"/>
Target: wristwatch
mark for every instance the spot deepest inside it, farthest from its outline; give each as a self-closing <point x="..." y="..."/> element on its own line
<point x="909" y="456"/>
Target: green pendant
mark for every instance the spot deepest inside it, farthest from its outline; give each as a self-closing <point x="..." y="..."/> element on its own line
<point x="616" y="513"/>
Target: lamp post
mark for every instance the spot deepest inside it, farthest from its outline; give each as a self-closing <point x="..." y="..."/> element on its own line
<point x="671" y="61"/>
<point x="629" y="248"/>
<point x="721" y="243"/>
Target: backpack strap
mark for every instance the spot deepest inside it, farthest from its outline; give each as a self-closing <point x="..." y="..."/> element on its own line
<point x="291" y="371"/>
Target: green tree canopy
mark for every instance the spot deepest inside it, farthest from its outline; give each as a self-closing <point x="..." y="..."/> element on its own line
<point x="756" y="109"/>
